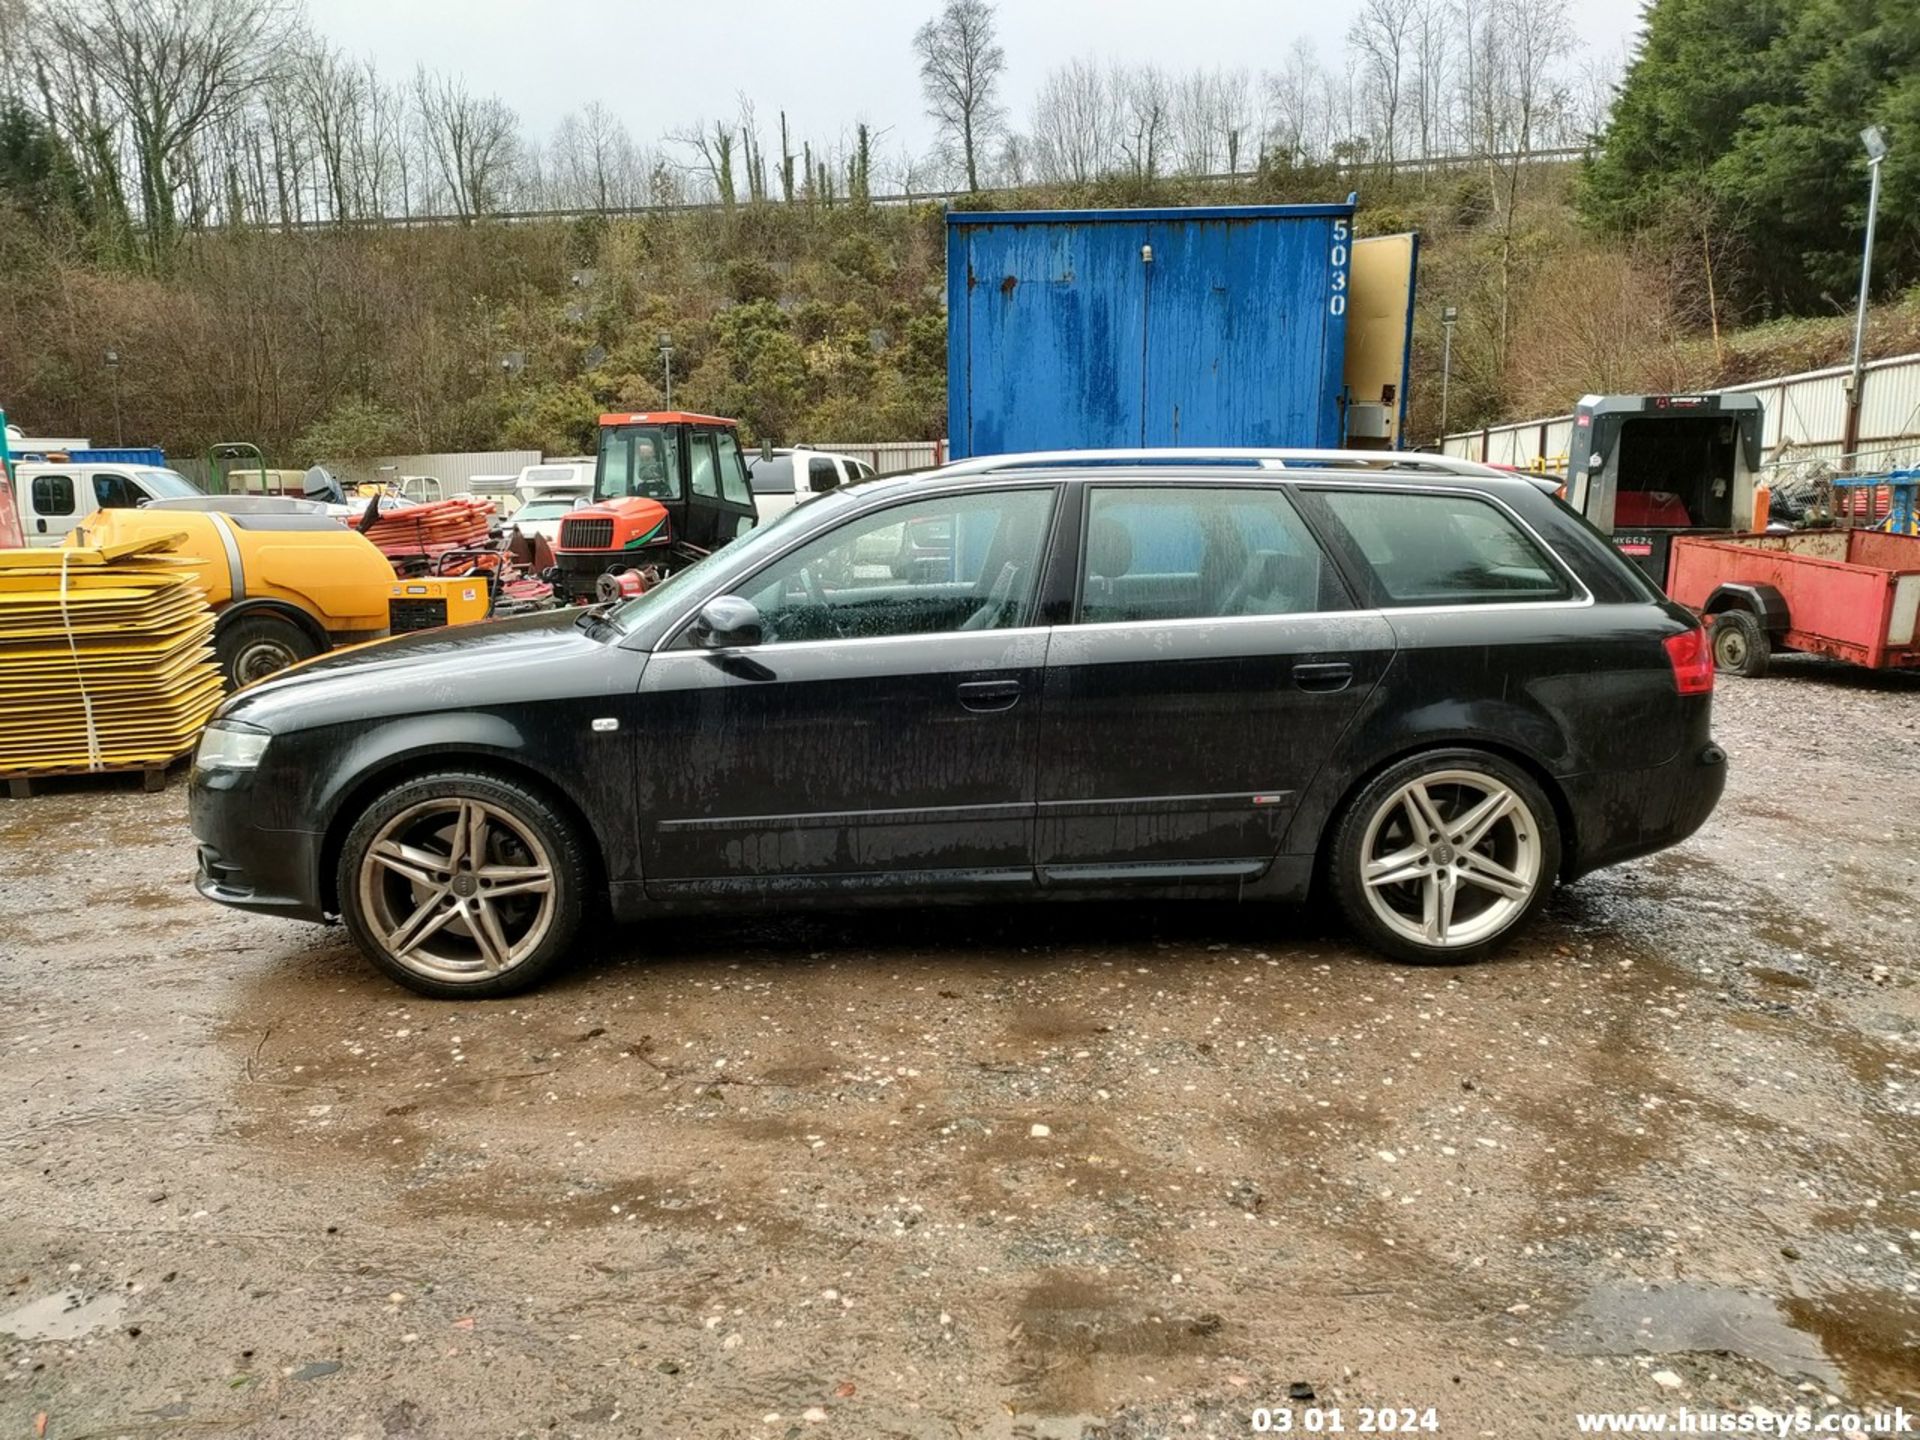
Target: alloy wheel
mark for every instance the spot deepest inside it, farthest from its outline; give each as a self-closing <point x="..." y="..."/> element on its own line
<point x="1451" y="859"/>
<point x="457" y="889"/>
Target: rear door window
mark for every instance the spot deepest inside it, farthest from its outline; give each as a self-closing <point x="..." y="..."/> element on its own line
<point x="1195" y="552"/>
<point x="53" y="494"/>
<point x="1427" y="549"/>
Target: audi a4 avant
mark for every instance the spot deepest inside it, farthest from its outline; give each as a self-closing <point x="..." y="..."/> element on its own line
<point x="1425" y="685"/>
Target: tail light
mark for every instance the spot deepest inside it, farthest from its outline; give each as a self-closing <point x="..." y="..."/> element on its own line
<point x="1691" y="655"/>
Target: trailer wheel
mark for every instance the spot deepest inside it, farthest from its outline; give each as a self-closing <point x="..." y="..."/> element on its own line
<point x="253" y="647"/>
<point x="1740" y="644"/>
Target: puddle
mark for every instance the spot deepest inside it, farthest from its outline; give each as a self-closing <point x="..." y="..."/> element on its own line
<point x="1875" y="1337"/>
<point x="1702" y="1319"/>
<point x="65" y="1315"/>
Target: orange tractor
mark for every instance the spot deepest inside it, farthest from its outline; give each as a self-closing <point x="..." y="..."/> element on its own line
<point x="668" y="488"/>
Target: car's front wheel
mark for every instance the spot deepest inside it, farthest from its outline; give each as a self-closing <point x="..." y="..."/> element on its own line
<point x="1443" y="855"/>
<point x="463" y="884"/>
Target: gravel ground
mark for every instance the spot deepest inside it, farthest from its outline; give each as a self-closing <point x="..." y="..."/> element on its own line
<point x="1051" y="1173"/>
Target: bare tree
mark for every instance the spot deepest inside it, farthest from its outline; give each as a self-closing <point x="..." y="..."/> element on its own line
<point x="174" y="68"/>
<point x="1297" y="107"/>
<point x="330" y="94"/>
<point x="1432" y="72"/>
<point x="1212" y="112"/>
<point x="1074" y="125"/>
<point x="1145" y="98"/>
<point x="713" y="149"/>
<point x="960" y="67"/>
<point x="471" y="140"/>
<point x="1381" y="37"/>
<point x="594" y="161"/>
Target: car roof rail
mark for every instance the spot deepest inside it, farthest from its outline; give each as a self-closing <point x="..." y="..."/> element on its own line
<point x="1384" y="461"/>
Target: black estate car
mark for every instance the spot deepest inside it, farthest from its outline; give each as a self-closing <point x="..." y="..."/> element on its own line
<point x="1423" y="683"/>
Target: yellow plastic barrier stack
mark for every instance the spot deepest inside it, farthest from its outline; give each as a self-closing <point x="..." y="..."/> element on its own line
<point x="106" y="659"/>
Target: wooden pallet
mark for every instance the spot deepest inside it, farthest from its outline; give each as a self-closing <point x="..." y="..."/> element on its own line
<point x="24" y="784"/>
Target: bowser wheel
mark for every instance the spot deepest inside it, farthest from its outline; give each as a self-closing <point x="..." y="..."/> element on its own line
<point x="253" y="647"/>
<point x="1740" y="644"/>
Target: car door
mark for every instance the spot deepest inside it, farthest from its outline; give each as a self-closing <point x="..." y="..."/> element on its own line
<point x="52" y="505"/>
<point x="881" y="733"/>
<point x="1213" y="661"/>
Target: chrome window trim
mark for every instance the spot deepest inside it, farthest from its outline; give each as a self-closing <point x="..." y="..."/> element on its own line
<point x="841" y="642"/>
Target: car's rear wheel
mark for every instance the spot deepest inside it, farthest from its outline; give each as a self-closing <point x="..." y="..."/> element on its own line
<point x="1740" y="644"/>
<point x="463" y="884"/>
<point x="1444" y="855"/>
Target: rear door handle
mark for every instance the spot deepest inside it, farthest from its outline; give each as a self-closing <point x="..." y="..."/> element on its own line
<point x="987" y="696"/>
<point x="1333" y="675"/>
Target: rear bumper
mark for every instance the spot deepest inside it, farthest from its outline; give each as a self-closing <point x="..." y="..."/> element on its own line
<point x="245" y="865"/>
<point x="1628" y="813"/>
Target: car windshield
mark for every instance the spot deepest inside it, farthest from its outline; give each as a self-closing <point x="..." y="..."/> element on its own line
<point x="543" y="509"/>
<point x="762" y="540"/>
<point x="167" y="484"/>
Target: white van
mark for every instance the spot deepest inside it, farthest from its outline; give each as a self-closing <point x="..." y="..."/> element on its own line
<point x="784" y="478"/>
<point x="54" y="497"/>
<point x="553" y="478"/>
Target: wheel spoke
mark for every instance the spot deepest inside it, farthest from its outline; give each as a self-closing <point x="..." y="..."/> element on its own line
<point x="1426" y="815"/>
<point x="431" y="917"/>
<point x="499" y="881"/>
<point x="495" y="949"/>
<point x="1401" y="866"/>
<point x="423" y="867"/>
<point x="1437" y="911"/>
<point x="1490" y="874"/>
<point x="1471" y="828"/>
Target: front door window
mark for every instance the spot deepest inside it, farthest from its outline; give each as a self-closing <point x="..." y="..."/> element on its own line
<point x="950" y="563"/>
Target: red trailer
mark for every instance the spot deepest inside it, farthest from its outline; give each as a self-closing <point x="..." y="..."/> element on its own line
<point x="1849" y="594"/>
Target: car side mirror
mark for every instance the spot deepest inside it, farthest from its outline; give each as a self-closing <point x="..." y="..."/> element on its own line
<point x="725" y="622"/>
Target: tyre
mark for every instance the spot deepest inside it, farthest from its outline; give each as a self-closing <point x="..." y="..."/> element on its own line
<point x="462" y="884"/>
<point x="1444" y="855"/>
<point x="1740" y="644"/>
<point x="252" y="647"/>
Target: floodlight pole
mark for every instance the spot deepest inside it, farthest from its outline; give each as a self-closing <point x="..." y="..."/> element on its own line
<point x="1876" y="152"/>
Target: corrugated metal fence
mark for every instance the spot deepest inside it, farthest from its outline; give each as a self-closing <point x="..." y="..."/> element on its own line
<point x="1806" y="421"/>
<point x="888" y="456"/>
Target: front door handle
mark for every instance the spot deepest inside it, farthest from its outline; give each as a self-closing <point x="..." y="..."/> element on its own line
<point x="986" y="696"/>
<point x="1333" y="675"/>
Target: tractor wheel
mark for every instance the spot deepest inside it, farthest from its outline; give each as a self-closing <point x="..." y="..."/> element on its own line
<point x="1740" y="644"/>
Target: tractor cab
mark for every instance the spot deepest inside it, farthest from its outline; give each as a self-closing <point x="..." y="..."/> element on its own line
<point x="668" y="488"/>
<point x="1645" y="468"/>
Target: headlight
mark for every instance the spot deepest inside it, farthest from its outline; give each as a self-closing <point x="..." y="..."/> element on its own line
<point x="230" y="745"/>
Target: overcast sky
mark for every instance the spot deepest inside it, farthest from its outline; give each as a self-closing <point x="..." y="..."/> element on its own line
<point x="828" y="63"/>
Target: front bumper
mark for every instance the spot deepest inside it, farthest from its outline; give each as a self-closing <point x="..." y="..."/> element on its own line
<point x="247" y="865"/>
<point x="1628" y="813"/>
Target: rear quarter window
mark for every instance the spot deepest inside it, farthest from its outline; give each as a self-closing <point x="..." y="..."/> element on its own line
<point x="1427" y="549"/>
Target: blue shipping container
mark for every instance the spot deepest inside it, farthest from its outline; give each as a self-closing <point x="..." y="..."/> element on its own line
<point x="1076" y="329"/>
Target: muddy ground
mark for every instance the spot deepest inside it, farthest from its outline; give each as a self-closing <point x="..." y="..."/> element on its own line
<point x="779" y="1178"/>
